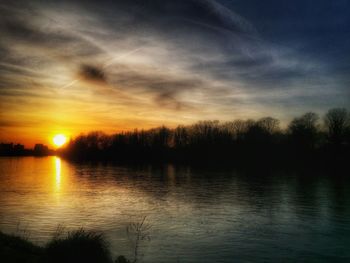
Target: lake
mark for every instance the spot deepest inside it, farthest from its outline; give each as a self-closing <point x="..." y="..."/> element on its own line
<point x="195" y="215"/>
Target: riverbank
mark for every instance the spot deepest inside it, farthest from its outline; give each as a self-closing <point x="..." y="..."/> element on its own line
<point x="75" y="247"/>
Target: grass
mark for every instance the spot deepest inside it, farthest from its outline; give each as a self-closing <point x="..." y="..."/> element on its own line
<point x="15" y="249"/>
<point x="74" y="247"/>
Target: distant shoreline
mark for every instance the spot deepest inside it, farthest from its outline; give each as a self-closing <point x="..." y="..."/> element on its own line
<point x="307" y="141"/>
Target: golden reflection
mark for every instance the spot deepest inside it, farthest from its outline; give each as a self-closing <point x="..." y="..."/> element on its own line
<point x="58" y="173"/>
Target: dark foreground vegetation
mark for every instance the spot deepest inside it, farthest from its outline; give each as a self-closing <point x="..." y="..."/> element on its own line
<point x="307" y="138"/>
<point x="75" y="247"/>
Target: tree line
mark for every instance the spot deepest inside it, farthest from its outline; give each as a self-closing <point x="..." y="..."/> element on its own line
<point x="307" y="137"/>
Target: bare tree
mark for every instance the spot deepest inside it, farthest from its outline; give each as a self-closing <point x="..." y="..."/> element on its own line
<point x="304" y="129"/>
<point x="336" y="122"/>
<point x="269" y="124"/>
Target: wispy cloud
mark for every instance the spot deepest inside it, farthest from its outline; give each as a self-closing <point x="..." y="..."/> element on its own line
<point x="161" y="61"/>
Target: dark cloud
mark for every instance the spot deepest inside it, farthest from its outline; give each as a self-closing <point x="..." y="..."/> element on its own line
<point x="161" y="13"/>
<point x="22" y="30"/>
<point x="92" y="73"/>
<point x="24" y="23"/>
<point x="165" y="89"/>
<point x="168" y="99"/>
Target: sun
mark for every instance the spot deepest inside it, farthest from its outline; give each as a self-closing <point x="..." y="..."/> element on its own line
<point x="59" y="140"/>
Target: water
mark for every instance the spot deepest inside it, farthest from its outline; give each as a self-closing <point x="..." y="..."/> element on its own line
<point x="195" y="216"/>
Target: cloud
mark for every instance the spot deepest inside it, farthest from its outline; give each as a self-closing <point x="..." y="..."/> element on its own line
<point x="163" y="61"/>
<point x="92" y="73"/>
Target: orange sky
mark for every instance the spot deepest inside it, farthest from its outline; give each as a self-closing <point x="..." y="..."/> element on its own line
<point x="112" y="66"/>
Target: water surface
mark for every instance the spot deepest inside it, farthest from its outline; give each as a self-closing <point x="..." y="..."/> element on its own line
<point x="196" y="215"/>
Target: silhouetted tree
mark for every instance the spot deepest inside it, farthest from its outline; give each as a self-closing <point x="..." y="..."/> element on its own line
<point x="180" y="137"/>
<point x="214" y="141"/>
<point x="269" y="125"/>
<point x="304" y="130"/>
<point x="337" y="123"/>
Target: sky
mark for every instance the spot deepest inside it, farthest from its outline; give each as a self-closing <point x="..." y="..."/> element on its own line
<point x="114" y="65"/>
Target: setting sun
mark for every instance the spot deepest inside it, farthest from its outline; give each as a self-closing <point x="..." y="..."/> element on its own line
<point x="59" y="140"/>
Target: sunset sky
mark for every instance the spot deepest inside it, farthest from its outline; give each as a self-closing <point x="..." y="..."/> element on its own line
<point x="76" y="66"/>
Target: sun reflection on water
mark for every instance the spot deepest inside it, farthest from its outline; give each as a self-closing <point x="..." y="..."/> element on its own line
<point x="58" y="173"/>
